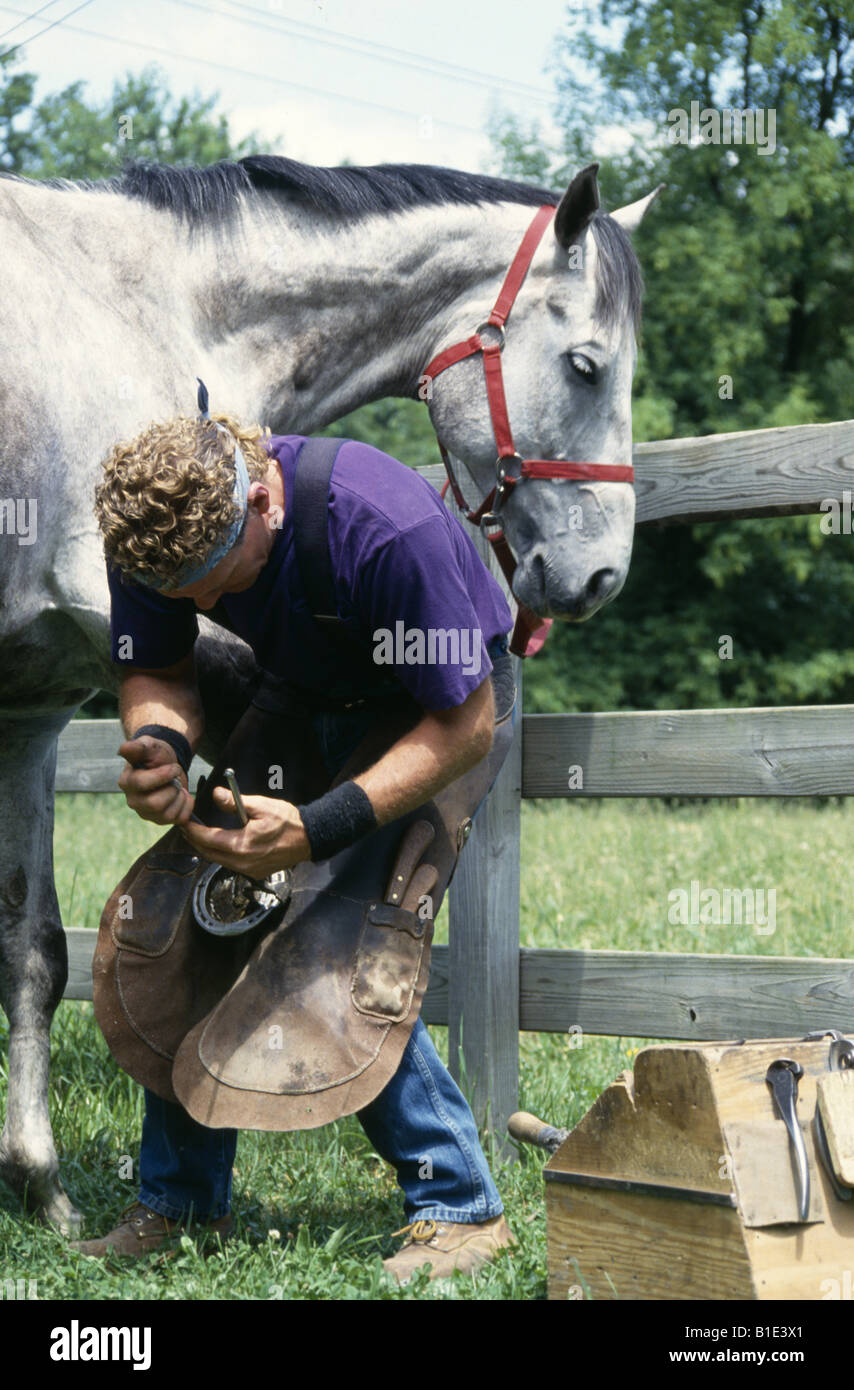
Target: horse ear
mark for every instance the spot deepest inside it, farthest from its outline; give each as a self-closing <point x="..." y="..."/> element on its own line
<point x="631" y="216"/>
<point x="577" y="206"/>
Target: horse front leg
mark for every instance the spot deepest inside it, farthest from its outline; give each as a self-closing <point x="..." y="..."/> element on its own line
<point x="33" y="962"/>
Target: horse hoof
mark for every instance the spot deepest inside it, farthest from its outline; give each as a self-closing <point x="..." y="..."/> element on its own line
<point x="61" y="1215"/>
<point x="40" y="1191"/>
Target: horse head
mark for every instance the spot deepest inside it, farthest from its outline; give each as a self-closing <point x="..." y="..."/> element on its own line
<point x="567" y="360"/>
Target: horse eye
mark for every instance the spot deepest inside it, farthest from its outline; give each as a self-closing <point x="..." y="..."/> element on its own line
<point x="582" y="366"/>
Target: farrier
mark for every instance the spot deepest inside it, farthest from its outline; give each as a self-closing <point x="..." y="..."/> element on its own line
<point x="210" y="515"/>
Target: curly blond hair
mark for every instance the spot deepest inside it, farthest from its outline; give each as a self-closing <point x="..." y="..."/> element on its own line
<point x="166" y="497"/>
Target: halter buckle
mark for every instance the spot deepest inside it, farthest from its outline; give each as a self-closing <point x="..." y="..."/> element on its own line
<point x="504" y="484"/>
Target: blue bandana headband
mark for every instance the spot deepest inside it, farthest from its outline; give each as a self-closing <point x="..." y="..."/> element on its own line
<point x="197" y="569"/>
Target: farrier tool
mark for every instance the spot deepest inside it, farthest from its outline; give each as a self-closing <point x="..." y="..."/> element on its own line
<point x="226" y="903"/>
<point x="402" y="879"/>
<point x="782" y="1076"/>
<point x="231" y="779"/>
<point x="176" y="782"/>
<point x="526" y="1128"/>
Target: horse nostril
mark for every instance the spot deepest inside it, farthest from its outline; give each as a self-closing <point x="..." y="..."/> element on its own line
<point x="538" y="572"/>
<point x="600" y="584"/>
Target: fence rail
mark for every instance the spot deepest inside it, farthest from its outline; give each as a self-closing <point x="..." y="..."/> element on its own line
<point x="633" y="994"/>
<point x="798" y="751"/>
<point x="482" y="976"/>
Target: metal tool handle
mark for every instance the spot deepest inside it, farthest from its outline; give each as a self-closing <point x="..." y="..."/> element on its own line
<point x="413" y="844"/>
<point x="235" y="792"/>
<point x="176" y="782"/>
<point x="782" y="1076"/>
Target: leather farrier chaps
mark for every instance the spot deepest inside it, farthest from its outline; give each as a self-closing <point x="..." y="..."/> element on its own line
<point x="305" y="1017"/>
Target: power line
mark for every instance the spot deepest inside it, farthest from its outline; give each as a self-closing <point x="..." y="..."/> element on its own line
<point x="255" y="75"/>
<point x="35" y="14"/>
<point x="382" y="52"/>
<point x="33" y="37"/>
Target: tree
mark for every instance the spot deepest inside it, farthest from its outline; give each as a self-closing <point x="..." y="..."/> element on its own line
<point x="748" y="266"/>
<point x="65" y="136"/>
<point x="16" y="95"/>
<point x="401" y="428"/>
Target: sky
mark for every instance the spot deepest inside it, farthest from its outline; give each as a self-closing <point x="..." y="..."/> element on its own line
<point x="365" y="80"/>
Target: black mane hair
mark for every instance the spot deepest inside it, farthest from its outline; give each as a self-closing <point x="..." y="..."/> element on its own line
<point x="349" y="190"/>
<point x="211" y="196"/>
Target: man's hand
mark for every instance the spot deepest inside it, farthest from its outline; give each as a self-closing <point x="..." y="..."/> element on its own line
<point x="273" y="838"/>
<point x="153" y="781"/>
<point x="149" y="782"/>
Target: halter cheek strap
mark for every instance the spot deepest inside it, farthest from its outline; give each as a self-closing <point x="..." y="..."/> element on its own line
<point x="530" y="632"/>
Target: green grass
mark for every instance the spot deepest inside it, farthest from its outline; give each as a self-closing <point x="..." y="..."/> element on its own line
<point x="595" y="875"/>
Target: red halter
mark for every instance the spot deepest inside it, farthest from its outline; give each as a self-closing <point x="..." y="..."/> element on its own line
<point x="530" y="632"/>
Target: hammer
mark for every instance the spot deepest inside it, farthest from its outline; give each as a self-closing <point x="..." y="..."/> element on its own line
<point x="527" y="1129"/>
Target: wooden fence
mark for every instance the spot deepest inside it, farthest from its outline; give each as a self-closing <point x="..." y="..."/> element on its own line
<point x="482" y="986"/>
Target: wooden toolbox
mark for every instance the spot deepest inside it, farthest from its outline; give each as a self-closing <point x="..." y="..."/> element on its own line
<point x="682" y="1180"/>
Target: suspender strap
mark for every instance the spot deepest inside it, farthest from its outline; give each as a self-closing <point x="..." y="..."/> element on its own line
<point x="311" y="530"/>
<point x="315" y="462"/>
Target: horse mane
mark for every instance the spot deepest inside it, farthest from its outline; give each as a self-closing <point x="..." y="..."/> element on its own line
<point x="352" y="191"/>
<point x="211" y="196"/>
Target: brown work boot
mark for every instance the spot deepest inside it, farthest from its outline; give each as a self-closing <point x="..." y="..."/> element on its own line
<point x="141" y="1231"/>
<point x="448" y="1246"/>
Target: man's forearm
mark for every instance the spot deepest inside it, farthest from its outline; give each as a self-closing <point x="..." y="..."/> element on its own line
<point x="151" y="698"/>
<point x="441" y="747"/>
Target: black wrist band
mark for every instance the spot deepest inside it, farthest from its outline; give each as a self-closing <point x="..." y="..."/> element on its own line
<point x="337" y="820"/>
<point x="177" y="741"/>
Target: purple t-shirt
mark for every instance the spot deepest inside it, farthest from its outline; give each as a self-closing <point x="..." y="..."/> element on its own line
<point x="410" y="587"/>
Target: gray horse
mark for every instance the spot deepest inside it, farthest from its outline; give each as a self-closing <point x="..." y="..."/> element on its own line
<point x="298" y="294"/>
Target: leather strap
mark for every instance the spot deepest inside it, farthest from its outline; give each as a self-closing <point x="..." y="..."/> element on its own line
<point x="315" y="462"/>
<point x="519" y="265"/>
<point x="553" y="468"/>
<point x="494" y="378"/>
<point x="529" y="632"/>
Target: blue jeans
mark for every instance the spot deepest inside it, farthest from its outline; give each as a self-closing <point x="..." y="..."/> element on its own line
<point x="420" y="1123"/>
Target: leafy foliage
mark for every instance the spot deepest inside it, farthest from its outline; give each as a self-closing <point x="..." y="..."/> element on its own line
<point x="66" y="136"/>
<point x="748" y="265"/>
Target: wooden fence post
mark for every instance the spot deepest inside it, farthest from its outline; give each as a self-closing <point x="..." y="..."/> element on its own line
<point x="483" y="974"/>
